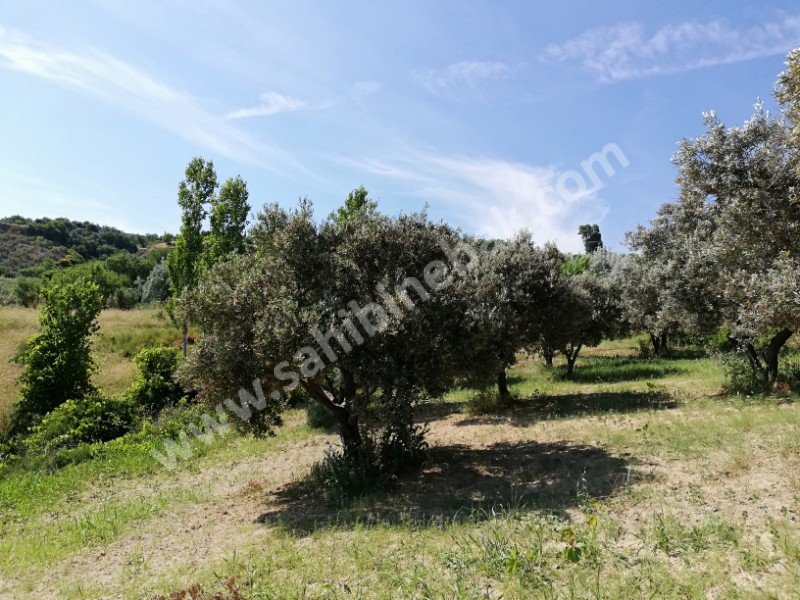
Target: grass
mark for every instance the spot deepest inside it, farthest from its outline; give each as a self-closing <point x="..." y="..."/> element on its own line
<point x="636" y="478"/>
<point x="122" y="333"/>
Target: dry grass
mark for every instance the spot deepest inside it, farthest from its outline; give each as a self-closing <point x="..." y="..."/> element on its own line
<point x="122" y="333"/>
<point x="17" y="325"/>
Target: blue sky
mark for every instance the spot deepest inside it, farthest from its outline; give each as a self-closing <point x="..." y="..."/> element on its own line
<point x="483" y="110"/>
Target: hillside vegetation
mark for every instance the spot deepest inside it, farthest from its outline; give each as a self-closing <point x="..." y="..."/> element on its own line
<point x="27" y="243"/>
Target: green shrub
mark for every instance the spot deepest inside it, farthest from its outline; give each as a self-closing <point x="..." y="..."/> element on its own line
<point x="57" y="363"/>
<point x="298" y="398"/>
<point x="124" y="298"/>
<point x="486" y="402"/>
<point x="319" y="417"/>
<point x="86" y="421"/>
<point x="7" y="295"/>
<point x="175" y="419"/>
<point x="27" y="291"/>
<point x="741" y="377"/>
<point x="791" y="371"/>
<point x="400" y="441"/>
<point x="392" y="443"/>
<point x="155" y="387"/>
<point x="645" y="349"/>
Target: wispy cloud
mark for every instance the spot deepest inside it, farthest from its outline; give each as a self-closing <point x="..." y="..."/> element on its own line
<point x="137" y="92"/>
<point x="465" y="73"/>
<point x="496" y="198"/>
<point x="627" y="51"/>
<point x="272" y="103"/>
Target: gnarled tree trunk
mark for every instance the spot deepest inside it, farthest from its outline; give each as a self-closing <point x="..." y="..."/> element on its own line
<point x="659" y="342"/>
<point x="348" y="420"/>
<point x="571" y="354"/>
<point x="765" y="362"/>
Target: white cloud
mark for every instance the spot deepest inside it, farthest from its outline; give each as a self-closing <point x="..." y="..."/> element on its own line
<point x="626" y="51"/>
<point x="271" y="103"/>
<point x="465" y="73"/>
<point x="135" y="91"/>
<point x="496" y="198"/>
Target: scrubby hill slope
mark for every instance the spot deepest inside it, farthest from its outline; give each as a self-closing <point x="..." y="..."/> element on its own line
<point x="26" y="243"/>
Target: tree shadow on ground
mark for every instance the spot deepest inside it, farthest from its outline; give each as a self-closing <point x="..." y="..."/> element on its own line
<point x="615" y="369"/>
<point x="523" y="412"/>
<point x="465" y="484"/>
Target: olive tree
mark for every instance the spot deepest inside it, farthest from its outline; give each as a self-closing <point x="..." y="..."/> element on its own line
<point x="643" y="286"/>
<point x="367" y="314"/>
<point x="511" y="293"/>
<point x="730" y="242"/>
<point x="582" y="311"/>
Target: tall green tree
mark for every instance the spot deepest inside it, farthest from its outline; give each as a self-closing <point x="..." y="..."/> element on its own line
<point x="185" y="259"/>
<point x="57" y="363"/>
<point x="592" y="239"/>
<point x="228" y="220"/>
<point x="357" y="203"/>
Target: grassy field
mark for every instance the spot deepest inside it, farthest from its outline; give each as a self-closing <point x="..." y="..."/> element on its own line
<point x="638" y="479"/>
<point x="122" y="333"/>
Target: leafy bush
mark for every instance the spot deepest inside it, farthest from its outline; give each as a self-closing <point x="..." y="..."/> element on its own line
<point x="319" y="417"/>
<point x="174" y="419"/>
<point x="741" y="377"/>
<point x="106" y="279"/>
<point x="791" y="371"/>
<point x="154" y="387"/>
<point x="86" y="421"/>
<point x="645" y="349"/>
<point x="57" y="364"/>
<point x="27" y="290"/>
<point x="400" y="441"/>
<point x="7" y="294"/>
<point x="577" y="264"/>
<point x="124" y="298"/>
<point x="393" y="444"/>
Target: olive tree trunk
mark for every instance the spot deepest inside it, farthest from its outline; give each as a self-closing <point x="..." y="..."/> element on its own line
<point x="347" y="419"/>
<point x="659" y="342"/>
<point x="502" y="384"/>
<point x="765" y="362"/>
<point x="571" y="354"/>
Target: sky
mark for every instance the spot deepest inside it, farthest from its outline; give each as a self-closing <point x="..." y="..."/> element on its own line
<point x="496" y="116"/>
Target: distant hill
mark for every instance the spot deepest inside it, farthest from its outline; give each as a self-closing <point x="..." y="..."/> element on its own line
<point x="27" y="243"/>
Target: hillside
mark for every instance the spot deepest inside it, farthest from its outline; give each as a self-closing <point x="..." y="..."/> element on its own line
<point x="29" y="243"/>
